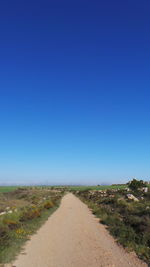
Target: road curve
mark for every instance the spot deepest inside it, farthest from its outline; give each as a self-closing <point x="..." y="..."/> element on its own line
<point x="73" y="237"/>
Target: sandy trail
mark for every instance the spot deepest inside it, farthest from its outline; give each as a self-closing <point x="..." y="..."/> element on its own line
<point x="73" y="237"/>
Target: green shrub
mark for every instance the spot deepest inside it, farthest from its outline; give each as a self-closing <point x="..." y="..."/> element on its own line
<point x="30" y="213"/>
<point x="143" y="252"/>
<point x="48" y="204"/>
<point x="3" y="233"/>
<point x="136" y="184"/>
<point x="11" y="224"/>
<point x="11" y="220"/>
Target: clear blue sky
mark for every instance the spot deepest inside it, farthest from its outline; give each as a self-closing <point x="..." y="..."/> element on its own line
<point x="74" y="91"/>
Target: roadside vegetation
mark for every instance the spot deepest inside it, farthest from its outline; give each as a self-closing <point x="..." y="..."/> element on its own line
<point x="22" y="212"/>
<point x="126" y="213"/>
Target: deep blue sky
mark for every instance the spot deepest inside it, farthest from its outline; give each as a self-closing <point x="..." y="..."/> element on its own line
<point x="74" y="91"/>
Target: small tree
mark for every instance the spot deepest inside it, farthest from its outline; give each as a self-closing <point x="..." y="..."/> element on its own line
<point x="136" y="184"/>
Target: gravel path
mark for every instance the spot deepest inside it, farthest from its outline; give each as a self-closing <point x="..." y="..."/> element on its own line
<point x="73" y="237"/>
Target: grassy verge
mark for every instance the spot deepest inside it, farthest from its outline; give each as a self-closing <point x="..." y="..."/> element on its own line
<point x="127" y="221"/>
<point x="17" y="228"/>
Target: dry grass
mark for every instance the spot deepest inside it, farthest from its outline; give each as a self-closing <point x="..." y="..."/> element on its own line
<point x="25" y="210"/>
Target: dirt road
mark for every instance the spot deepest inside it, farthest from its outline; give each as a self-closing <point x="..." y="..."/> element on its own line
<point x="73" y="237"/>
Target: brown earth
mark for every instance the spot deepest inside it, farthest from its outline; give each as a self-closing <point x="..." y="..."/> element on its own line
<point x="73" y="237"/>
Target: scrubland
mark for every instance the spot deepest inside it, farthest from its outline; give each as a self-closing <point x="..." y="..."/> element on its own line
<point x="124" y="211"/>
<point x="22" y="212"/>
<point x="126" y="214"/>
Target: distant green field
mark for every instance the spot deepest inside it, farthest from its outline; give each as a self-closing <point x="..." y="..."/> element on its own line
<point x="5" y="189"/>
<point x="101" y="187"/>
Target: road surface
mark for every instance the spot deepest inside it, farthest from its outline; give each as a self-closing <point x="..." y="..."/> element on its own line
<point x="73" y="237"/>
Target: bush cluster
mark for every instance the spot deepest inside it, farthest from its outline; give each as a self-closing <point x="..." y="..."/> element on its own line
<point x="127" y="220"/>
<point x="30" y="213"/>
<point x="48" y="204"/>
<point x="12" y="225"/>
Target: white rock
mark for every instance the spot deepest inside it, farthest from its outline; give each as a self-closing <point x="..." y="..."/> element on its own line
<point x="131" y="197"/>
<point x="2" y="213"/>
<point x="10" y="211"/>
<point x="145" y="189"/>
